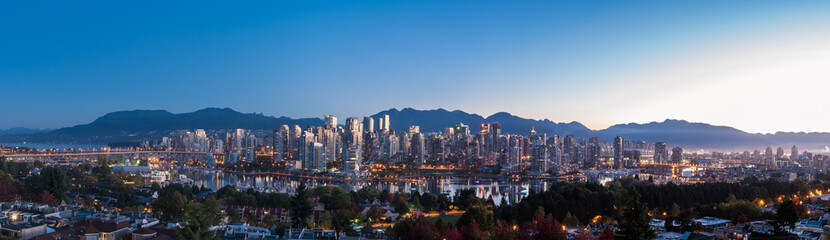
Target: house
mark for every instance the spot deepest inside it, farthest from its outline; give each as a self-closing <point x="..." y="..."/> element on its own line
<point x="669" y="236"/>
<point x="712" y="222"/>
<point x="317" y="233"/>
<point x="731" y="233"/>
<point x="98" y="229"/>
<point x="245" y="231"/>
<point x="22" y="231"/>
<point x="95" y="229"/>
<point x="697" y="236"/>
<point x="156" y="232"/>
<point x="810" y="225"/>
<point x="389" y="214"/>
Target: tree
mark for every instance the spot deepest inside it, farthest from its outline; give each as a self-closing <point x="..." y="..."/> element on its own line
<point x="212" y="211"/>
<point x="375" y="212"/>
<point x="606" y="234"/>
<point x="9" y="189"/>
<point x="301" y="206"/>
<point x="251" y="219"/>
<point x="479" y="214"/>
<point x="342" y="222"/>
<point x="570" y="220"/>
<point x="786" y="216"/>
<point x="429" y="200"/>
<point x="233" y="215"/>
<point x="47" y="198"/>
<point x="635" y="220"/>
<point x="171" y="206"/>
<point x="415" y="229"/>
<point x="52" y="179"/>
<point x="332" y="197"/>
<point x="416" y="201"/>
<point x="197" y="227"/>
<point x="402" y="207"/>
<point x="268" y="221"/>
<point x="325" y="221"/>
<point x="542" y="228"/>
<point x="473" y="231"/>
<point x="539" y="212"/>
<point x="675" y="210"/>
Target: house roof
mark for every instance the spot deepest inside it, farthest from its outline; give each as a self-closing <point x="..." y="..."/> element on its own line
<point x="99" y="225"/>
<point x="65" y="234"/>
<point x="144" y="231"/>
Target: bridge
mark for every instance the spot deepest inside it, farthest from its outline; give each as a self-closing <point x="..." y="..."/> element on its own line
<point x="93" y="155"/>
<point x="680" y="165"/>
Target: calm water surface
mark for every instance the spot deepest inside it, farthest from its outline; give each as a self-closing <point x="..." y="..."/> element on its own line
<point x="485" y="187"/>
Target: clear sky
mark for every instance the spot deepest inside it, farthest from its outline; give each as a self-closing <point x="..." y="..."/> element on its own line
<point x="759" y="66"/>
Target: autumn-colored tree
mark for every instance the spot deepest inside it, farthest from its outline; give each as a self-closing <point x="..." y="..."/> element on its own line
<point x="47" y="198"/>
<point x="606" y="234"/>
<point x="9" y="189"/>
<point x="451" y="233"/>
<point x="472" y="231"/>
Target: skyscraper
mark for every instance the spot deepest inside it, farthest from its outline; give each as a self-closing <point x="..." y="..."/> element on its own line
<point x="386" y="123"/>
<point x="661" y="152"/>
<point x="794" y="153"/>
<point x="368" y="124"/>
<point x="779" y="153"/>
<point x="677" y="155"/>
<point x="315" y="157"/>
<point x="353" y="145"/>
<point x="618" y="152"/>
<point x="495" y="130"/>
<point x="594" y="152"/>
<point x="330" y="121"/>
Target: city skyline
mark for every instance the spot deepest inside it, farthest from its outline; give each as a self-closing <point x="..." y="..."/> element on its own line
<point x="757" y="66"/>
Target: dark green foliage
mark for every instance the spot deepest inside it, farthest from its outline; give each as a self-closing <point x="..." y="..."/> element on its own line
<point x="301" y="206"/>
<point x="733" y="210"/>
<point x="586" y="200"/>
<point x="467" y="198"/>
<point x="415" y="229"/>
<point x="429" y="200"/>
<point x="332" y="197"/>
<point x="170" y="207"/>
<point x="199" y="219"/>
<point x="52" y="179"/>
<point x="402" y="207"/>
<point x="635" y="220"/>
<point x="785" y="216"/>
<point x="342" y="221"/>
<point x="479" y="214"/>
<point x="253" y="198"/>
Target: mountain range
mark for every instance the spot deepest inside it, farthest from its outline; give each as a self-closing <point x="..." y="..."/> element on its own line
<point x="144" y="124"/>
<point x="20" y="130"/>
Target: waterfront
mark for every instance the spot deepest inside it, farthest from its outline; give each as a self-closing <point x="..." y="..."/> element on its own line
<point x="485" y="187"/>
<point x="59" y="146"/>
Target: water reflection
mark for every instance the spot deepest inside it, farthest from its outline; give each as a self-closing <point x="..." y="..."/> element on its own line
<point x="496" y="188"/>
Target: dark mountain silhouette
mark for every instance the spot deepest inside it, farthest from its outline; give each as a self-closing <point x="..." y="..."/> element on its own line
<point x="438" y="119"/>
<point x="675" y="132"/>
<point x="150" y="124"/>
<point x="429" y="120"/>
<point x="20" y="130"/>
<point x="138" y="124"/>
<point x="688" y="134"/>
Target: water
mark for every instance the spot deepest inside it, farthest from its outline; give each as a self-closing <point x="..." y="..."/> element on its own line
<point x="485" y="187"/>
<point x="58" y="146"/>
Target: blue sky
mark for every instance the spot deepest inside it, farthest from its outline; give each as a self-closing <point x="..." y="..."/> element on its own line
<point x="760" y="66"/>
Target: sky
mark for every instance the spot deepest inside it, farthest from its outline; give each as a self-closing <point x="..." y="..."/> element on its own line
<point x="759" y="66"/>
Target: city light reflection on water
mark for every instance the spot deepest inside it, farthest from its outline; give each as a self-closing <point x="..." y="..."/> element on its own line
<point x="485" y="187"/>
